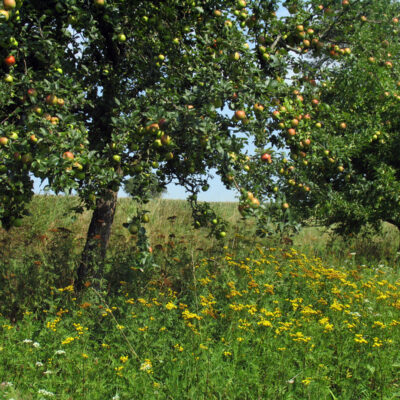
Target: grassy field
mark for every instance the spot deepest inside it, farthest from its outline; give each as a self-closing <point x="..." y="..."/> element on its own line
<point x="199" y="318"/>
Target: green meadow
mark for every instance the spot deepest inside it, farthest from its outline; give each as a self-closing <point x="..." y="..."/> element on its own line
<point x="313" y="316"/>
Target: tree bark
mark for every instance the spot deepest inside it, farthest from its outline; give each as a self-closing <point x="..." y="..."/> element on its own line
<point x="98" y="236"/>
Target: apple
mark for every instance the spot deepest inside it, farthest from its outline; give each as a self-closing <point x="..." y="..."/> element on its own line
<point x="8" y="78"/>
<point x="3" y="141"/>
<point x="343" y="125"/>
<point x="121" y="38"/>
<point x="32" y="92"/>
<point x="300" y="28"/>
<point x="37" y="110"/>
<point x="235" y="56"/>
<point x="13" y="135"/>
<point x="295" y="122"/>
<point x="9" y="4"/>
<point x="266" y="157"/>
<point x="340" y="168"/>
<point x="157" y="143"/>
<point x="4" y="15"/>
<point x="222" y="234"/>
<point x="169" y="156"/>
<point x="51" y="99"/>
<point x="258" y="107"/>
<point x="54" y="120"/>
<point x="217" y="13"/>
<point x="291" y="132"/>
<point x="117" y="158"/>
<point x="17" y="223"/>
<point x="33" y="139"/>
<point x="152" y="127"/>
<point x="240" y="115"/>
<point x="389" y="64"/>
<point x="60" y="102"/>
<point x="345" y="3"/>
<point x="27" y="158"/>
<point x="165" y="140"/>
<point x="241" y="4"/>
<point x="363" y="18"/>
<point x="307" y="142"/>
<point x="99" y="3"/>
<point x="228" y="23"/>
<point x="68" y="155"/>
<point x="318" y="125"/>
<point x="9" y="60"/>
<point x="161" y="57"/>
<point x="285" y="206"/>
<point x="276" y="114"/>
<point x="133" y="229"/>
<point x="314" y="102"/>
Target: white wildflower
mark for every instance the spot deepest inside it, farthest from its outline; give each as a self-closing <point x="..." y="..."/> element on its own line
<point x="36" y="344"/>
<point x="45" y="392"/>
<point x="39" y="364"/>
<point x="27" y="341"/>
<point x="58" y="352"/>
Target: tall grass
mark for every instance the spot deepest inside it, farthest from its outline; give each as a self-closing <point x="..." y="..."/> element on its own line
<point x="198" y="318"/>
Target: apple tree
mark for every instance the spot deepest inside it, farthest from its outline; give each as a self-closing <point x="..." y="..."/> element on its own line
<point x="340" y="121"/>
<point x="97" y="92"/>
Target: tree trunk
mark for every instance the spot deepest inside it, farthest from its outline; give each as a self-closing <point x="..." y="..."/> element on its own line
<point x="98" y="236"/>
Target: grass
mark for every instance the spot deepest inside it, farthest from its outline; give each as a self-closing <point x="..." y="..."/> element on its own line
<point x="198" y="318"/>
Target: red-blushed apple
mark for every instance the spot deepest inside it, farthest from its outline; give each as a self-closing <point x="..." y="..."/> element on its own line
<point x="9" y="4"/>
<point x="68" y="155"/>
<point x="32" y="92"/>
<point x="291" y="132"/>
<point x="266" y="157"/>
<point x="33" y="138"/>
<point x="3" y="141"/>
<point x="9" y="60"/>
<point x="240" y="115"/>
<point x="343" y="125"/>
<point x="258" y="107"/>
<point x="99" y="3"/>
<point x="285" y="206"/>
<point x="295" y="122"/>
<point x="152" y="128"/>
